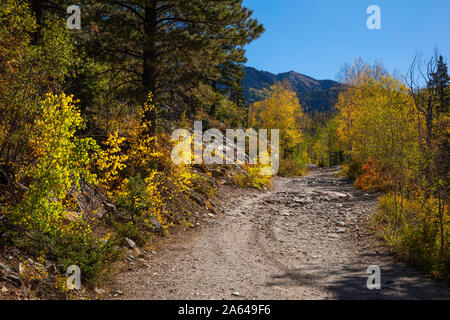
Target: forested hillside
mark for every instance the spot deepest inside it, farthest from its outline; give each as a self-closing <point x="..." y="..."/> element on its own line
<point x="314" y="95"/>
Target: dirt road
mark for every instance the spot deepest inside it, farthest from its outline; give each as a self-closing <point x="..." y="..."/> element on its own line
<point x="306" y="239"/>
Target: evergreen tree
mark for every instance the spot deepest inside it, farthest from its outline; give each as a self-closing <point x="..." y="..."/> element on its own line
<point x="169" y="47"/>
<point x="440" y="81"/>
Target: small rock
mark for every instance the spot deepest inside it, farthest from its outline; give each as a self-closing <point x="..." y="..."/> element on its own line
<point x="4" y="268"/>
<point x="156" y="225"/>
<point x="236" y="294"/>
<point x="341" y="230"/>
<point x="137" y="252"/>
<point x="99" y="291"/>
<point x="130" y="243"/>
<point x="4" y="290"/>
<point x="197" y="199"/>
<point x="117" y="292"/>
<point x="333" y="235"/>
<point x="12" y="277"/>
<point x="51" y="267"/>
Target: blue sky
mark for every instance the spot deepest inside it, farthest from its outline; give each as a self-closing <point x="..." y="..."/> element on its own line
<point x="315" y="37"/>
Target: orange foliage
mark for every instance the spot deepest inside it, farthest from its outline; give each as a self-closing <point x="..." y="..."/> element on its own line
<point x="374" y="176"/>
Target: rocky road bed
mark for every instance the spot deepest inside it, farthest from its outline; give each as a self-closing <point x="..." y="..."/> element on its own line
<point x="306" y="239"/>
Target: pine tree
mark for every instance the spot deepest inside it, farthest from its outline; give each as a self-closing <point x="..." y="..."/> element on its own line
<point x="440" y="81"/>
<point x="41" y="9"/>
<point x="169" y="47"/>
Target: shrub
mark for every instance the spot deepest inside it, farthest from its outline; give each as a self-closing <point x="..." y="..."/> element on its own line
<point x="132" y="231"/>
<point x="252" y="177"/>
<point x="351" y="169"/>
<point x="46" y="218"/>
<point x="373" y="177"/>
<point x="58" y="161"/>
<point x="412" y="228"/>
<point x="292" y="168"/>
<point x="110" y="162"/>
<point x="94" y="256"/>
<point x="202" y="185"/>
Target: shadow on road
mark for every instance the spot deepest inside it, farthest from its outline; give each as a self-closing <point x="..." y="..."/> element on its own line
<point x="350" y="283"/>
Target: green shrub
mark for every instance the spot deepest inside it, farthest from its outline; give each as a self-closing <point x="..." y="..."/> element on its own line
<point x="352" y="169"/>
<point x="412" y="228"/>
<point x="132" y="231"/>
<point x="292" y="168"/>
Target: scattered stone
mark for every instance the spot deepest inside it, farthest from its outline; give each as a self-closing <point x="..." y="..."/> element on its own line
<point x="130" y="243"/>
<point x="4" y="268"/>
<point x="197" y="199"/>
<point x="13" y="278"/>
<point x="137" y="252"/>
<point x="156" y="225"/>
<point x="236" y="294"/>
<point x="117" y="292"/>
<point x="99" y="291"/>
<point x="341" y="230"/>
<point x="51" y="267"/>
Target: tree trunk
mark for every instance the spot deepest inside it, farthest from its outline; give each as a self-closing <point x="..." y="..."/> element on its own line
<point x="37" y="9"/>
<point x="149" y="69"/>
<point x="212" y="110"/>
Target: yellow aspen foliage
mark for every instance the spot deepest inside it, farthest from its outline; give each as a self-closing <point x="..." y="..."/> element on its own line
<point x="111" y="162"/>
<point x="280" y="110"/>
<point x="383" y="134"/>
<point x="252" y="177"/>
<point x="376" y="120"/>
<point x="58" y="161"/>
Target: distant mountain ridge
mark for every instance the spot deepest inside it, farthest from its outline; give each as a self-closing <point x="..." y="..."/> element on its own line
<point x="319" y="95"/>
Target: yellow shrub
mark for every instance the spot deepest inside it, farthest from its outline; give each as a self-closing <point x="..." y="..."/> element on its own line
<point x="111" y="162"/>
<point x="58" y="161"/>
<point x="252" y="177"/>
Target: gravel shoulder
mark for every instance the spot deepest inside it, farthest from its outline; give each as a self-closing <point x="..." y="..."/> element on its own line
<point x="308" y="238"/>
